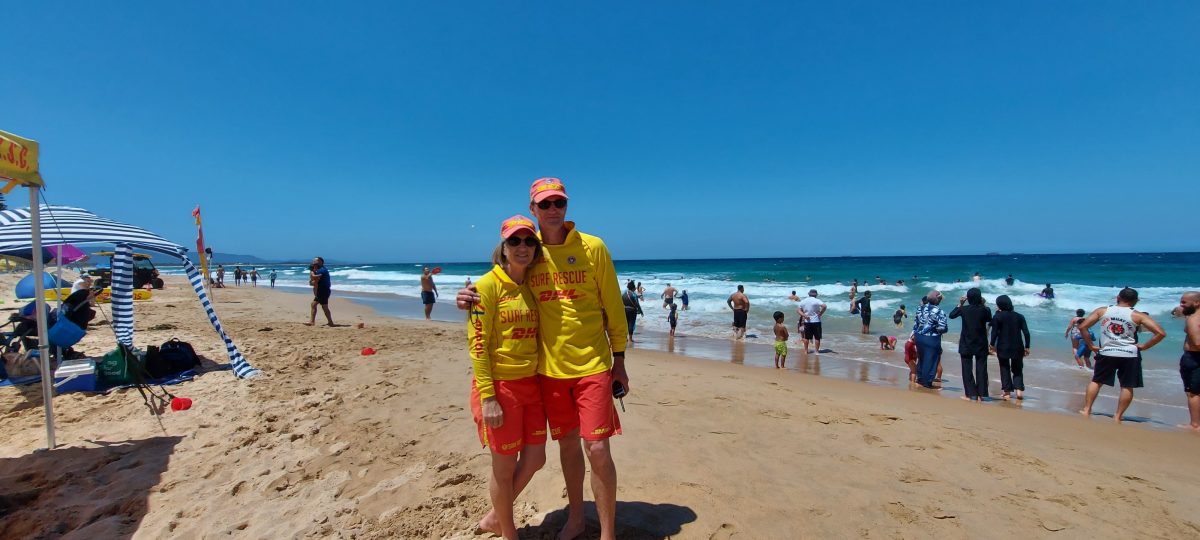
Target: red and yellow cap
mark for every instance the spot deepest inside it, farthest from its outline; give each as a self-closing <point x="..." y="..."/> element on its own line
<point x="514" y="224"/>
<point x="543" y="188"/>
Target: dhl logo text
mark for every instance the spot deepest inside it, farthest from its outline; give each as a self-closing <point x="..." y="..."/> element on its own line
<point x="568" y="294"/>
<point x="524" y="333"/>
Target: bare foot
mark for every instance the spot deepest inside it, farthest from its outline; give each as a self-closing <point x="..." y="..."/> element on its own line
<point x="1020" y="394"/>
<point x="1086" y="412"/>
<point x="965" y="398"/>
<point x="308" y="324"/>
<point x="489" y="524"/>
<point x="1006" y="397"/>
<point x="571" y="530"/>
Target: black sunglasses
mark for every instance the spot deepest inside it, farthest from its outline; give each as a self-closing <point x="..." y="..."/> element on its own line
<point x="530" y="241"/>
<point x="558" y="203"/>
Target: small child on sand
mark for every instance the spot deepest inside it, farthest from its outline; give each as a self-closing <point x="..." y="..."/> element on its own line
<point x="910" y="358"/>
<point x="781" y="337"/>
<point x="672" y="319"/>
<point x="887" y="343"/>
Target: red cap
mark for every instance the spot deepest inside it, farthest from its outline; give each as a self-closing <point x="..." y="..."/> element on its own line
<point x="546" y="187"/>
<point x="514" y="224"/>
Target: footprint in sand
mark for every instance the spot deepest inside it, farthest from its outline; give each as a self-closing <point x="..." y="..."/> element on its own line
<point x="442" y="414"/>
<point x="726" y="530"/>
<point x="775" y="414"/>
<point x="901" y="513"/>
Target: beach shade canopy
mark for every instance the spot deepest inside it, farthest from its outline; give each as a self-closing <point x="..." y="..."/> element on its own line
<point x="25" y="287"/>
<point x="70" y="225"/>
<point x="60" y="255"/>
<point x="66" y="224"/>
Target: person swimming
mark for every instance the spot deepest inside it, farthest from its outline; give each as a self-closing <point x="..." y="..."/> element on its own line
<point x="1048" y="292"/>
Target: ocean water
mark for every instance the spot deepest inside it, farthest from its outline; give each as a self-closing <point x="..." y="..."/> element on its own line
<point x="1080" y="281"/>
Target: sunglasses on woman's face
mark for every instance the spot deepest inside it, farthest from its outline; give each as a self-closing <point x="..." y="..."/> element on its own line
<point x="529" y="241"/>
<point x="558" y="203"/>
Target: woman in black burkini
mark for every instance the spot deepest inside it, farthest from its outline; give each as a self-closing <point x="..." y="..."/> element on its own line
<point x="633" y="308"/>
<point x="1010" y="343"/>
<point x="973" y="343"/>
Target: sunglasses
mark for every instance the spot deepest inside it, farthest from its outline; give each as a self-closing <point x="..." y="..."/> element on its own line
<point x="557" y="203"/>
<point x="530" y="241"/>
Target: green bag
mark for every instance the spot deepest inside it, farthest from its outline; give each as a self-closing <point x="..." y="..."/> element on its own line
<point x="113" y="369"/>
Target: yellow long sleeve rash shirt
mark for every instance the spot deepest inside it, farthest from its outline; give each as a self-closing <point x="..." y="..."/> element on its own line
<point x="502" y="332"/>
<point x="575" y="286"/>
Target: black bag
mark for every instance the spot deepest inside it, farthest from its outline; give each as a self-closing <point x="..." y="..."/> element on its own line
<point x="172" y="357"/>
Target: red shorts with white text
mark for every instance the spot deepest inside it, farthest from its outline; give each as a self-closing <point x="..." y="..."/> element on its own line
<point x="585" y="403"/>
<point x="524" y="419"/>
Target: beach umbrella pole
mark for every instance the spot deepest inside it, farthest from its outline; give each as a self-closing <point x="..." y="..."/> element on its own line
<point x="39" y="289"/>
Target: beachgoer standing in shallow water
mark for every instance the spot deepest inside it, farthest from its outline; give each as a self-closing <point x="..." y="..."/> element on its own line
<point x="973" y="343"/>
<point x="793" y="297"/>
<point x="899" y="316"/>
<point x="574" y="286"/>
<point x="641" y="292"/>
<point x="672" y="320"/>
<point x="1048" y="292"/>
<point x="929" y="324"/>
<point x="810" y="311"/>
<point x="740" y="305"/>
<point x="1072" y="332"/>
<point x="428" y="291"/>
<point x="506" y="399"/>
<point x="863" y="307"/>
<point x="1119" y="355"/>
<point x="668" y="296"/>
<point x="633" y="308"/>
<point x="273" y="276"/>
<point x="254" y="276"/>
<point x="1009" y="280"/>
<point x="1010" y="344"/>
<point x="1189" y="363"/>
<point x="683" y="298"/>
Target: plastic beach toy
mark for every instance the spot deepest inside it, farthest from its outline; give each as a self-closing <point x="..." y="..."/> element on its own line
<point x="367" y="351"/>
<point x="181" y="404"/>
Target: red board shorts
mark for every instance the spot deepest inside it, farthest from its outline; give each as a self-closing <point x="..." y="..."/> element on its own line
<point x="585" y="403"/>
<point x="524" y="418"/>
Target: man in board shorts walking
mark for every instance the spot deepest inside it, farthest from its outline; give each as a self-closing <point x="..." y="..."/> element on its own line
<point x="583" y="351"/>
<point x="1119" y="355"/>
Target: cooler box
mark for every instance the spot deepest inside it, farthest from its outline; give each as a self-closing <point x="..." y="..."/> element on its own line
<point x="75" y="376"/>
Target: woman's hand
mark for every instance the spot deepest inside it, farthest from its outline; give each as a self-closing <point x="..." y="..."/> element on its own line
<point x="493" y="415"/>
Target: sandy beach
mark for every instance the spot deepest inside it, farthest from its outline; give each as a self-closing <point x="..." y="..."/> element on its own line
<point x="330" y="443"/>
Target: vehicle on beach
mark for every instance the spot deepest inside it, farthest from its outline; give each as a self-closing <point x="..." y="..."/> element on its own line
<point x="144" y="271"/>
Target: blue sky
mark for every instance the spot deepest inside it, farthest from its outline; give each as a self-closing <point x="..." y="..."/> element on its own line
<point x="383" y="131"/>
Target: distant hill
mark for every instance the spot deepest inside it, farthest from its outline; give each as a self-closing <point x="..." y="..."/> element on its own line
<point x="217" y="258"/>
<point x="232" y="258"/>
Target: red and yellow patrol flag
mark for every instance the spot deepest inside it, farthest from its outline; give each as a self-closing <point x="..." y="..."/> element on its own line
<point x="200" y="245"/>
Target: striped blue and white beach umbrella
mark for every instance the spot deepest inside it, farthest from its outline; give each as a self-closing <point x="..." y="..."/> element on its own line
<point x="67" y="224"/>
